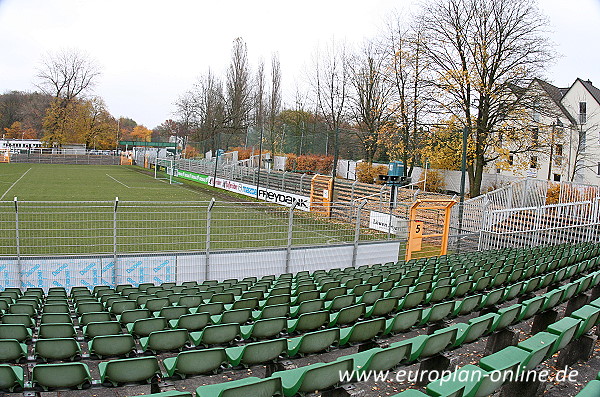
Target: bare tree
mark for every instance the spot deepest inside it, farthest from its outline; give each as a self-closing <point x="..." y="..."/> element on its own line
<point x="67" y="74"/>
<point x="239" y="92"/>
<point x="330" y="83"/>
<point x="274" y="103"/>
<point x="210" y="108"/>
<point x="405" y="133"/>
<point x="481" y="51"/>
<point x="371" y="97"/>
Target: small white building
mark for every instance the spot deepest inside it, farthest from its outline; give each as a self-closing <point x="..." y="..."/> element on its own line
<point x="19" y="145"/>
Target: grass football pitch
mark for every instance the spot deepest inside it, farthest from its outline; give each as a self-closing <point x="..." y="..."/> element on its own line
<point x="69" y="209"/>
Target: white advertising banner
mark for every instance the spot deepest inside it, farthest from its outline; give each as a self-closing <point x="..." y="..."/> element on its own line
<point x="381" y="221"/>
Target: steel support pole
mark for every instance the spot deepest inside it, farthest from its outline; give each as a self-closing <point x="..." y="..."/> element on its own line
<point x="357" y="232"/>
<point x="18" y="243"/>
<point x="288" y="254"/>
<point x="114" y="245"/>
<point x="463" y="175"/>
<point x="208" y="224"/>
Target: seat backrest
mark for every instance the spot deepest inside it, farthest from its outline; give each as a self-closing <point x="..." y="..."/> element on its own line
<point x="57" y="348"/>
<point x="194" y="362"/>
<point x="61" y="375"/>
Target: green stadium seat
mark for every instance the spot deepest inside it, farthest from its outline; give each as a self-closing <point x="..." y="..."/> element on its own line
<point x="347" y="315"/>
<point x="382" y="307"/>
<point x="589" y="316"/>
<point x="57" y="330"/>
<point x="156" y="304"/>
<point x="505" y="317"/>
<point x="380" y="359"/>
<point x="216" y="335"/>
<point x="67" y="375"/>
<point x="362" y="331"/>
<point x="167" y="340"/>
<point x="266" y="328"/>
<point x="213" y="308"/>
<point x="257" y="352"/>
<point x="591" y="389"/>
<point x="11" y="377"/>
<point x="23" y="319"/>
<point x="467" y="305"/>
<point x="542" y="341"/>
<point x="94" y="329"/>
<point x="313" y="342"/>
<point x="23" y="308"/>
<point x="319" y="376"/>
<point x="437" y="312"/>
<point x="57" y="349"/>
<point x="190" y="301"/>
<point x="308" y="306"/>
<point x="239" y="316"/>
<point x="94" y="317"/>
<point x="195" y="362"/>
<point x="337" y="303"/>
<point x="280" y="310"/>
<point x="473" y="380"/>
<point x="56" y="318"/>
<point x="145" y="326"/>
<point x="88" y="308"/>
<point x="15" y="331"/>
<point x="412" y="300"/>
<point x="56" y="308"/>
<point x="565" y="329"/>
<point x="530" y="308"/>
<point x="429" y="345"/>
<point x="112" y="345"/>
<point x="121" y="306"/>
<point x="191" y="322"/>
<point x="477" y="327"/>
<point x="129" y="370"/>
<point x="250" y="386"/>
<point x="403" y="321"/>
<point x="131" y="316"/>
<point x="308" y="321"/>
<point x="12" y="350"/>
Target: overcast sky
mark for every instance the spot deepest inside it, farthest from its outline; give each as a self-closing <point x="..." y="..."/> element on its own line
<point x="150" y="51"/>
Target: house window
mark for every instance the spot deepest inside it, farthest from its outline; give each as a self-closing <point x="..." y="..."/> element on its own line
<point x="511" y="159"/>
<point x="556" y="177"/>
<point x="534" y="162"/>
<point x="582" y="112"/>
<point x="559" y="150"/>
<point x="535" y="135"/>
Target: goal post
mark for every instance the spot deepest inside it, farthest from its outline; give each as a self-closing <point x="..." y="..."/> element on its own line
<point x="164" y="165"/>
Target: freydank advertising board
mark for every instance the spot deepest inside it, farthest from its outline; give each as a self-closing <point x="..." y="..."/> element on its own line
<point x="270" y="195"/>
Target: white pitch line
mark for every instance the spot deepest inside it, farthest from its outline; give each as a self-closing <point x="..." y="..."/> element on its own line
<point x="15" y="182"/>
<point x="118" y="181"/>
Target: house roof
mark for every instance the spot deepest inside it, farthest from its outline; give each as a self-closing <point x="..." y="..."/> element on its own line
<point x="556" y="94"/>
<point x="595" y="92"/>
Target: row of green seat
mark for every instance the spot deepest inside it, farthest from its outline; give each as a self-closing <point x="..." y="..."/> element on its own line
<point x="318" y="376"/>
<point x="168" y="340"/>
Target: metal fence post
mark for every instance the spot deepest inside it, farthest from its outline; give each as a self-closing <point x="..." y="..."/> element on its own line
<point x="357" y="231"/>
<point x="208" y="222"/>
<point x="18" y="242"/>
<point x="288" y="254"/>
<point x="114" y="245"/>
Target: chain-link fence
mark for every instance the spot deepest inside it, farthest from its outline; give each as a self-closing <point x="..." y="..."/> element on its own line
<point x="30" y="228"/>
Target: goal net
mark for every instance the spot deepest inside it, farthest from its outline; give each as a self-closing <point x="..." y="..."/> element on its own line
<point x="164" y="169"/>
